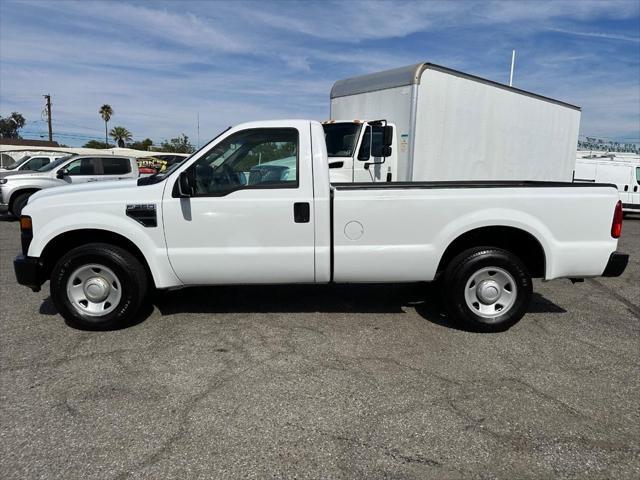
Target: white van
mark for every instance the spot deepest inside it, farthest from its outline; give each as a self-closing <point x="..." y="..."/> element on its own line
<point x="619" y="169"/>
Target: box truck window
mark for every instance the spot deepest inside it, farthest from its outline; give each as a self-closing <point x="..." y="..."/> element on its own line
<point x="341" y="138"/>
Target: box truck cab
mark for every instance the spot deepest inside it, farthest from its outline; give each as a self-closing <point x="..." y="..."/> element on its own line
<point x="361" y="151"/>
<point x="618" y="169"/>
<point x="449" y="125"/>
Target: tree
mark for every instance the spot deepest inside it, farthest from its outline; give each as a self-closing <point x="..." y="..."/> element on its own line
<point x="106" y="112"/>
<point x="96" y="144"/>
<point x="120" y="135"/>
<point x="10" y="125"/>
<point x="143" y="145"/>
<point x="180" y="144"/>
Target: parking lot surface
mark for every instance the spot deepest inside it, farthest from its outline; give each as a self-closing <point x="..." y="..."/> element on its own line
<point x="323" y="382"/>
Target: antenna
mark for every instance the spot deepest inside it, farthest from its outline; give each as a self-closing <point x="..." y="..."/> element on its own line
<point x="513" y="63"/>
<point x="198" y="137"/>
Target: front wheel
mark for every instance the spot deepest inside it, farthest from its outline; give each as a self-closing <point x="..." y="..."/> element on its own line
<point x="489" y="289"/>
<point x="98" y="286"/>
<point x="19" y="203"/>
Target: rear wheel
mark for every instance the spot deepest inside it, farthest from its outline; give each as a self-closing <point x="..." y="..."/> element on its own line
<point x="489" y="289"/>
<point x="98" y="286"/>
<point x="19" y="203"/>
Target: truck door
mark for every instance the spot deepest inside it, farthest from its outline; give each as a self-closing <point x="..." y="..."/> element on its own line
<point x="248" y="218"/>
<point x="81" y="170"/>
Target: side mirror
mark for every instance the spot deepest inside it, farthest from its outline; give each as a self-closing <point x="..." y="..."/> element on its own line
<point x="387" y="136"/>
<point x="63" y="172"/>
<point x="186" y="183"/>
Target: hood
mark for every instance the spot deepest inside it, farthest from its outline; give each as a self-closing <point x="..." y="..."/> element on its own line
<point x="21" y="175"/>
<point x="11" y="173"/>
<point x="109" y="185"/>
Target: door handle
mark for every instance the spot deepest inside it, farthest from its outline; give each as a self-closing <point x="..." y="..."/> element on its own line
<point x="635" y="188"/>
<point x="626" y="188"/>
<point x="301" y="212"/>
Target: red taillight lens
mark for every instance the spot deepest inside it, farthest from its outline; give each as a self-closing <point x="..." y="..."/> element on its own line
<point x="616" y="226"/>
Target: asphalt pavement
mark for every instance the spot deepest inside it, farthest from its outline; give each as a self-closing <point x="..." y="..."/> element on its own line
<point x="323" y="382"/>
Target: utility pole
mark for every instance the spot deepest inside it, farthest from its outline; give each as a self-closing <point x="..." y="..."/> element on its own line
<point x="48" y="97"/>
<point x="513" y="64"/>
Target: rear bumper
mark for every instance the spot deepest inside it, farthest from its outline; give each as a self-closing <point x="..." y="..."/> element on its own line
<point x="615" y="266"/>
<point x="29" y="272"/>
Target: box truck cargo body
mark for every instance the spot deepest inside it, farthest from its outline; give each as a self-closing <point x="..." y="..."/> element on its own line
<point x="454" y="126"/>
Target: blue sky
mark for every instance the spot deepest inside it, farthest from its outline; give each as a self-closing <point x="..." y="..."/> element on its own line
<point x="160" y="64"/>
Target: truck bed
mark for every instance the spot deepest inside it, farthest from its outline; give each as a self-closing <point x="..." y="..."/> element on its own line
<point x="399" y="231"/>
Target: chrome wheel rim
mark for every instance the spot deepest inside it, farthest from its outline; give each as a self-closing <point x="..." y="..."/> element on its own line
<point x="490" y="292"/>
<point x="94" y="290"/>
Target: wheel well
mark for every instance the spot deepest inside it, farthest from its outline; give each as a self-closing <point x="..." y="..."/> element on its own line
<point x="15" y="195"/>
<point x="522" y="244"/>
<point x="64" y="242"/>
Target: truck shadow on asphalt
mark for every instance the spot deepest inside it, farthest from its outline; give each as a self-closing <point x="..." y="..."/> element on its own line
<point x="353" y="298"/>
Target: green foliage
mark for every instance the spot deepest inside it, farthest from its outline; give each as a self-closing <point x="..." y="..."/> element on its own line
<point x="142" y="145"/>
<point x="97" y="144"/>
<point x="121" y="135"/>
<point x="10" y="125"/>
<point x="180" y="144"/>
<point x="106" y="112"/>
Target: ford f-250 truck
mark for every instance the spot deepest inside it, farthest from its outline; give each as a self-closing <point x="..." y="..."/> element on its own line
<point x="255" y="206"/>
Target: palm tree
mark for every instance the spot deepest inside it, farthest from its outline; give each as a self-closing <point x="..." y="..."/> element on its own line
<point x="105" y="112"/>
<point x="120" y="135"/>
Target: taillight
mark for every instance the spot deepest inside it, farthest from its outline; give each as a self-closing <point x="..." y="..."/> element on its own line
<point x="616" y="226"/>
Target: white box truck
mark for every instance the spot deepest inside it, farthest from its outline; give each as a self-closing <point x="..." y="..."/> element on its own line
<point x="450" y="125"/>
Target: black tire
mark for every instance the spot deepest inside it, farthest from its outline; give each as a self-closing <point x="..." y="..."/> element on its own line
<point x="19" y="203"/>
<point x="459" y="272"/>
<point x="132" y="280"/>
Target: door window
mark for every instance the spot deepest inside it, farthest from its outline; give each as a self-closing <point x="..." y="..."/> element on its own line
<point x="638" y="175"/>
<point x="115" y="166"/>
<point x="35" y="163"/>
<point x="83" y="166"/>
<point x="257" y="158"/>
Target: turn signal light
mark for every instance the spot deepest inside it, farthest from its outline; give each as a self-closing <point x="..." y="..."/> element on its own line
<point x="616" y="226"/>
<point x="25" y="223"/>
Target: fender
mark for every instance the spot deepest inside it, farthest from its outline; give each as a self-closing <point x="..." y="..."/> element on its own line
<point x="152" y="246"/>
<point x="500" y="217"/>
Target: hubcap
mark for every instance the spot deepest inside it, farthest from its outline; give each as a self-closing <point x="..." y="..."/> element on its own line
<point x="490" y="292"/>
<point x="94" y="290"/>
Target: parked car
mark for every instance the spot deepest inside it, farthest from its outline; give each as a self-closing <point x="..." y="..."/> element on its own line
<point x="623" y="171"/>
<point x="255" y="206"/>
<point x="16" y="190"/>
<point x="28" y="164"/>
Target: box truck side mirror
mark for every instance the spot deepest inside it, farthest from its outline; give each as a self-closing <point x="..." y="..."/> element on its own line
<point x="387" y="135"/>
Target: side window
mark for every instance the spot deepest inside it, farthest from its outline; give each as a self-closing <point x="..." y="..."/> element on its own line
<point x="258" y="158"/>
<point x="35" y="163"/>
<point x="115" y="166"/>
<point x="638" y="175"/>
<point x="83" y="166"/>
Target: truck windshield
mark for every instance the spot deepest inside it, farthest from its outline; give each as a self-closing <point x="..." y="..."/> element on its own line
<point x="341" y="138"/>
<point x="17" y="163"/>
<point x="54" y="164"/>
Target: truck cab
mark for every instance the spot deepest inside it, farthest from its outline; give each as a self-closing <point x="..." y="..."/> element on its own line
<point x="361" y="151"/>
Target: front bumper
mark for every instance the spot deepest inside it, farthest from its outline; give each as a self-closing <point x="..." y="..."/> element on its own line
<point x="615" y="266"/>
<point x="29" y="272"/>
<point x="4" y="208"/>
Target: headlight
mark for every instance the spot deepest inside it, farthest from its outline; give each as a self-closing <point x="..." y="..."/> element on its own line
<point x="3" y="181"/>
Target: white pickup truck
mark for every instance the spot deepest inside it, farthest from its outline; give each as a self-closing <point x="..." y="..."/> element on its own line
<point x="255" y="206"/>
<point x="15" y="190"/>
